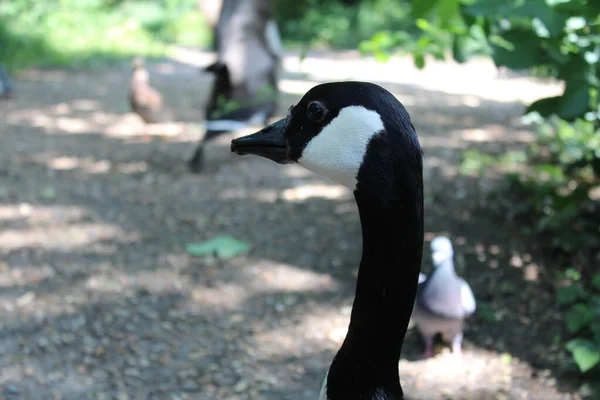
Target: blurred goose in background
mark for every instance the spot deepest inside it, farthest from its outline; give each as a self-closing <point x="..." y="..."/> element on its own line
<point x="244" y="91"/>
<point x="6" y="89"/>
<point x="359" y="135"/>
<point x="443" y="300"/>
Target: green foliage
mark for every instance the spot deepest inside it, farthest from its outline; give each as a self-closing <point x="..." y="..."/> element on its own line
<point x="582" y="319"/>
<point x="561" y="190"/>
<point x="559" y="37"/>
<point x="570" y="294"/>
<point x="556" y="192"/>
<point x="331" y="23"/>
<point x="579" y="316"/>
<point x="558" y="195"/>
<point x="596" y="281"/>
<point x="85" y="32"/>
<point x="585" y="353"/>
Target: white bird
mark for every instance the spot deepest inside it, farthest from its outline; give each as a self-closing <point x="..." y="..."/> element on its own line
<point x="443" y="300"/>
<point x="359" y="135"/>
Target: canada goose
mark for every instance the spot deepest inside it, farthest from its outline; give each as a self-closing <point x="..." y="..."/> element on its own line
<point x="244" y="91"/>
<point x="443" y="300"/>
<point x="6" y="89"/>
<point x="358" y="134"/>
<point x="145" y="100"/>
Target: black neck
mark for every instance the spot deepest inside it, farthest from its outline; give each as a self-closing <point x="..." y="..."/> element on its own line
<point x="392" y="231"/>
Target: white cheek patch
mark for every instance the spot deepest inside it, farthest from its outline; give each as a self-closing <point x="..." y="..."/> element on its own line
<point x="338" y="151"/>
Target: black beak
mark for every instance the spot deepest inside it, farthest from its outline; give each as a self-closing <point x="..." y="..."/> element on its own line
<point x="270" y="143"/>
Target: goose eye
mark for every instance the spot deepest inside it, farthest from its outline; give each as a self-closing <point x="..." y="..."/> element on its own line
<point x="316" y="111"/>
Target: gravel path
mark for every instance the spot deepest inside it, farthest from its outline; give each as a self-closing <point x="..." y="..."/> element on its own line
<point x="99" y="300"/>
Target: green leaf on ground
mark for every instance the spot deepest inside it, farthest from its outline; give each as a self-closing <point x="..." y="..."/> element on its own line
<point x="223" y="246"/>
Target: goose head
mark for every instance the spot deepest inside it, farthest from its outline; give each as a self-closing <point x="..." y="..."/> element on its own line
<point x="360" y="136"/>
<point x="331" y="130"/>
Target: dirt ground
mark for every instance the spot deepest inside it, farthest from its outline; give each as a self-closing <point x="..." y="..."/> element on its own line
<point x="99" y="300"/>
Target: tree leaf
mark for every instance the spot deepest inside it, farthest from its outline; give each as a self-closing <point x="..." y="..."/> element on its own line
<point x="575" y="100"/>
<point x="466" y="46"/>
<point x="222" y="246"/>
<point x="572" y="274"/>
<point x="488" y="8"/>
<point x="595" y="328"/>
<point x="422" y="8"/>
<point x="526" y="52"/>
<point x="545" y="107"/>
<point x="381" y="56"/>
<point x="423" y="24"/>
<point x="575" y="23"/>
<point x="569" y="294"/>
<point x="552" y="20"/>
<point x="596" y="280"/>
<point x="419" y="60"/>
<point x="447" y="10"/>
<point x="579" y="316"/>
<point x="585" y="353"/>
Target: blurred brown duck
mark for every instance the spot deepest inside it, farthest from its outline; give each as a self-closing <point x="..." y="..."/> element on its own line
<point x="145" y="100"/>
